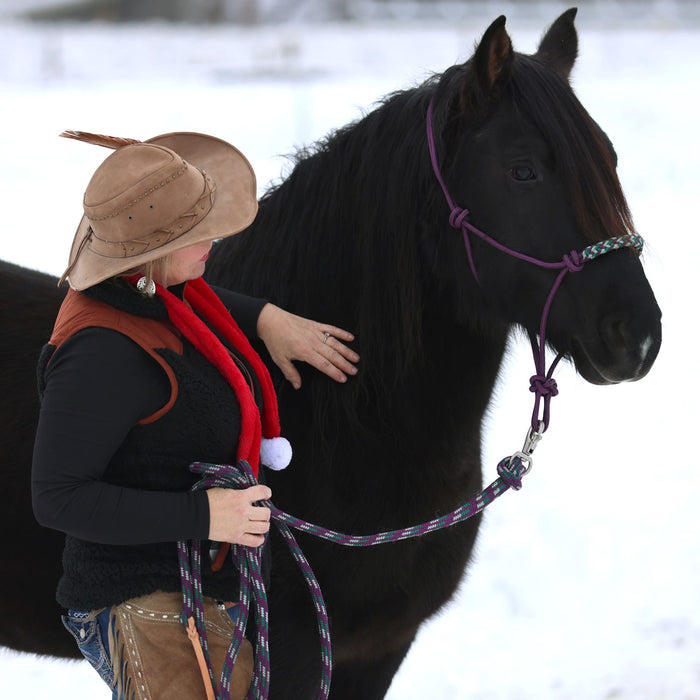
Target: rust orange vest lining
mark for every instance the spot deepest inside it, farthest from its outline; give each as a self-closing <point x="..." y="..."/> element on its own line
<point x="79" y="311"/>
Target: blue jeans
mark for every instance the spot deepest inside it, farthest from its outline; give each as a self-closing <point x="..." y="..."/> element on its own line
<point x="90" y="631"/>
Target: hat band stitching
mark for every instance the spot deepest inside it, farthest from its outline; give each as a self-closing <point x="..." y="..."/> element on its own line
<point x="177" y="228"/>
<point x="150" y="190"/>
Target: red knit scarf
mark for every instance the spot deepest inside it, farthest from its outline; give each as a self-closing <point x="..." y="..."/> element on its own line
<point x="202" y="299"/>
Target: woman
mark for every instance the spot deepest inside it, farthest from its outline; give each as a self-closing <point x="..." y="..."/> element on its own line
<point x="145" y="373"/>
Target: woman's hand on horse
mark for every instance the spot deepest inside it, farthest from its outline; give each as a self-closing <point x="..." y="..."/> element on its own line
<point x="289" y="337"/>
<point x="234" y="517"/>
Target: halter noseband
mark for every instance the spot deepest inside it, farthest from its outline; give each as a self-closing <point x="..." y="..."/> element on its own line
<point x="542" y="384"/>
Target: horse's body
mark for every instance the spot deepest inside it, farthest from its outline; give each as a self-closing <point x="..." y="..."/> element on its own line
<point x="358" y="235"/>
<point x="29" y="571"/>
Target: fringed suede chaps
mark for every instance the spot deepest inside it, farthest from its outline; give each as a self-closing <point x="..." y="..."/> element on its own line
<point x="153" y="658"/>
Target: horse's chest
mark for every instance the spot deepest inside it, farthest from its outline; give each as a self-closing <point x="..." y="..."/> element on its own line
<point x="378" y="598"/>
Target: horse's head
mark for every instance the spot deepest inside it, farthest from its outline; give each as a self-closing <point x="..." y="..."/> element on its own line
<point x="538" y="176"/>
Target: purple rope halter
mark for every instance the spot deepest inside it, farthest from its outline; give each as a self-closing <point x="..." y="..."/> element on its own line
<point x="542" y="383"/>
<point x="510" y="472"/>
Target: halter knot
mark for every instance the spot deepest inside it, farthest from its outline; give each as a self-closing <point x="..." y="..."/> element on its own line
<point x="574" y="261"/>
<point x="458" y="216"/>
<point x="543" y="386"/>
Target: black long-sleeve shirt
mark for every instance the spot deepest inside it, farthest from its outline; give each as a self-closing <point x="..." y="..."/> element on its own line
<point x="99" y="384"/>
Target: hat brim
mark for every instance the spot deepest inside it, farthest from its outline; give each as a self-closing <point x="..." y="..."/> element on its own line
<point x="235" y="206"/>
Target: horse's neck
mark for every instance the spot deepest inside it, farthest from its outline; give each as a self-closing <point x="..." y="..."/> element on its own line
<point x="417" y="450"/>
<point x="456" y="361"/>
<point x="455" y="375"/>
<point x="433" y="415"/>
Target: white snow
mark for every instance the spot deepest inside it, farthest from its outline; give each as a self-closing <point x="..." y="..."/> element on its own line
<point x="586" y="583"/>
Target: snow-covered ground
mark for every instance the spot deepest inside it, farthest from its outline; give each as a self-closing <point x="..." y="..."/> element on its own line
<point x="586" y="584"/>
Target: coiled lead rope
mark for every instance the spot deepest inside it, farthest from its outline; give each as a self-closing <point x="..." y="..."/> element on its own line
<point x="248" y="562"/>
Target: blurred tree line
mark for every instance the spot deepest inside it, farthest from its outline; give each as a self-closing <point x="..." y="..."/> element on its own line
<point x="253" y="12"/>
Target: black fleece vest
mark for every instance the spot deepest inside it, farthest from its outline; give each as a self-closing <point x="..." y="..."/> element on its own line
<point x="201" y="422"/>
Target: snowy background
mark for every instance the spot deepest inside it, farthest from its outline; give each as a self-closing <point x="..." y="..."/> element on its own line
<point x="585" y="584"/>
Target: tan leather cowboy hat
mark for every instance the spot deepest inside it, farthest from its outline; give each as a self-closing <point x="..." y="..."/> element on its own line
<point x="149" y="199"/>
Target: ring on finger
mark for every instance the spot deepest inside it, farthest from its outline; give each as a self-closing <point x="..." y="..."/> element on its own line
<point x="325" y="337"/>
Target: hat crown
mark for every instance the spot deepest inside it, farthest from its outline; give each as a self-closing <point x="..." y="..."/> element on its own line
<point x="139" y="190"/>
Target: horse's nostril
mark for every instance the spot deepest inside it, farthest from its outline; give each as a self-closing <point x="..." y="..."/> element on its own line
<point x="615" y="333"/>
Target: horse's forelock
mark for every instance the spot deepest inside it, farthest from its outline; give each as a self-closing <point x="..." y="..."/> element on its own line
<point x="584" y="158"/>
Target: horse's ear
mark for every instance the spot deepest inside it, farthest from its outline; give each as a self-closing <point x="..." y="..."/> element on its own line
<point x="493" y="56"/>
<point x="559" y="45"/>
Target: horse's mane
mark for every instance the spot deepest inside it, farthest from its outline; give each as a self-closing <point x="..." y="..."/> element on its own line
<point x="333" y="223"/>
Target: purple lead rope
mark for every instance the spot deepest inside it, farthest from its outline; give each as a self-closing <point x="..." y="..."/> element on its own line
<point x="247" y="561"/>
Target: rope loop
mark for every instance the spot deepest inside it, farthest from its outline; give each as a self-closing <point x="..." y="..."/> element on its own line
<point x="510" y="469"/>
<point x="457" y="217"/>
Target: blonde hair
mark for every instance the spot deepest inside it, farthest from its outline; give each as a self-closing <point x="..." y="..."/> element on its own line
<point x="158" y="268"/>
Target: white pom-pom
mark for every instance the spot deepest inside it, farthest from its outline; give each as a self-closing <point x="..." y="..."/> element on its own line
<point x="275" y="453"/>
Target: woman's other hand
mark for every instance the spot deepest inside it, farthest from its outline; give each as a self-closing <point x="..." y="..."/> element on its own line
<point x="234" y="517"/>
<point x="289" y="337"/>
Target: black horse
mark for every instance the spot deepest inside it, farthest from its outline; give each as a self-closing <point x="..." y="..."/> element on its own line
<point x="358" y="235"/>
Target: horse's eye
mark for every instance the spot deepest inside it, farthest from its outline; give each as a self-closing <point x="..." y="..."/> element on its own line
<point x="521" y="173"/>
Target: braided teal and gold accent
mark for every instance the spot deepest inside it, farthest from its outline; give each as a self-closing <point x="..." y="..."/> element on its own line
<point x="597" y="249"/>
